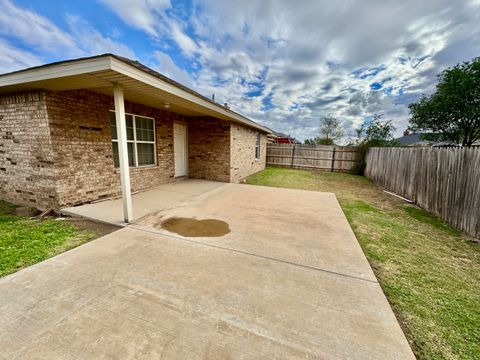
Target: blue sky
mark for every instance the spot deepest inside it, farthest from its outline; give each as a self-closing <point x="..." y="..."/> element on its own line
<point x="284" y="64"/>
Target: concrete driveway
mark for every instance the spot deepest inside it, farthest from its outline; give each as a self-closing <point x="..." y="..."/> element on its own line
<point x="288" y="281"/>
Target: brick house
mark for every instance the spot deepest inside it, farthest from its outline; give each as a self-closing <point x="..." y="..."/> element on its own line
<point x="81" y="130"/>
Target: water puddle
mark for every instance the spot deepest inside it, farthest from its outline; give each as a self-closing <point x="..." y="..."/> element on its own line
<point x="188" y="227"/>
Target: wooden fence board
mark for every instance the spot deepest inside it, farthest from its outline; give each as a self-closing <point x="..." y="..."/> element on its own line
<point x="320" y="157"/>
<point x="443" y="181"/>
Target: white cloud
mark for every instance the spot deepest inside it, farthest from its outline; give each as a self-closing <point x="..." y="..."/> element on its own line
<point x="44" y="39"/>
<point x="183" y="41"/>
<point x="311" y="51"/>
<point x="167" y="67"/>
<point x="32" y="29"/>
<point x="280" y="63"/>
<point x="91" y="41"/>
<point x="141" y="14"/>
<point x="149" y="16"/>
<point x="15" y="59"/>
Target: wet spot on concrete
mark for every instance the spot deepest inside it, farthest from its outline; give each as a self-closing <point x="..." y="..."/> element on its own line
<point x="189" y="227"/>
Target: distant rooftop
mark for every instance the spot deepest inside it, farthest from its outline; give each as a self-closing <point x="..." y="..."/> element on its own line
<point x="412" y="139"/>
<point x="283" y="135"/>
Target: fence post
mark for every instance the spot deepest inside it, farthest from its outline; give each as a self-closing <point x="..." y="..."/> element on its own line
<point x="333" y="160"/>
<point x="293" y="155"/>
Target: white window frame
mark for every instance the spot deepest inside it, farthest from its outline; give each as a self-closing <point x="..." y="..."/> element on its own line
<point x="135" y="142"/>
<point x="258" y="141"/>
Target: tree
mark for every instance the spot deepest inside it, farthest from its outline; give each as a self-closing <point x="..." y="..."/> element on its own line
<point x="373" y="133"/>
<point x="329" y="130"/>
<point x="319" y="141"/>
<point x="324" y="141"/>
<point x="452" y="112"/>
<point x="376" y="133"/>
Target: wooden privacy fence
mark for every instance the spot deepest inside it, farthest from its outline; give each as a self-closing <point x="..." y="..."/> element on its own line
<point x="320" y="157"/>
<point x="443" y="181"/>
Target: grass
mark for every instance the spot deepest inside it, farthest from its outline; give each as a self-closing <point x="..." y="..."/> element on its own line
<point x="429" y="271"/>
<point x="25" y="241"/>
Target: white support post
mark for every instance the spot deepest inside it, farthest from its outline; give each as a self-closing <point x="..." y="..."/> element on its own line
<point x="123" y="151"/>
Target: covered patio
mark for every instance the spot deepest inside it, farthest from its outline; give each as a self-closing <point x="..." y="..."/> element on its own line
<point x="143" y="202"/>
<point x="109" y="123"/>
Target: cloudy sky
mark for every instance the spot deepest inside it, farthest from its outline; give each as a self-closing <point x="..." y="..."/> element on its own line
<point x="284" y="64"/>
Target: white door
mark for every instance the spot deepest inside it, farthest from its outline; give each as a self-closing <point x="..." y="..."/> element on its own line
<point x="180" y="149"/>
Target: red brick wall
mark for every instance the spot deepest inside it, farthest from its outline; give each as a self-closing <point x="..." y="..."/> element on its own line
<point x="243" y="161"/>
<point x="27" y="175"/>
<point x="56" y="149"/>
<point x="209" y="149"/>
<point x="81" y="138"/>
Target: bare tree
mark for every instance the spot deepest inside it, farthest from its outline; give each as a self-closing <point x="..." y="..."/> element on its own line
<point x="330" y="129"/>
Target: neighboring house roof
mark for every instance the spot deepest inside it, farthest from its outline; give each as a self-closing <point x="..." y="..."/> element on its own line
<point x="279" y="135"/>
<point x="412" y="139"/>
<point x="100" y="71"/>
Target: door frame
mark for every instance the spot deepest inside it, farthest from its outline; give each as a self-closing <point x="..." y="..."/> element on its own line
<point x="184" y="123"/>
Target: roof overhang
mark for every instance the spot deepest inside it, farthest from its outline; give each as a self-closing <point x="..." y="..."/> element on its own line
<point x="140" y="84"/>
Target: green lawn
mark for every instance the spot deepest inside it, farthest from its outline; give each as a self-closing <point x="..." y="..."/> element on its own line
<point x="429" y="271"/>
<point x="25" y="241"/>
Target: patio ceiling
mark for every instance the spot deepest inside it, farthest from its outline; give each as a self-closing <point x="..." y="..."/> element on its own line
<point x="140" y="84"/>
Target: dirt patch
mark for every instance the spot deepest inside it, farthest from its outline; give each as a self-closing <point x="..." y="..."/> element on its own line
<point x="26" y="211"/>
<point x="98" y="228"/>
<point x="195" y="228"/>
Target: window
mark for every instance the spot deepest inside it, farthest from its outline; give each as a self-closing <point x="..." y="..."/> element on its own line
<point x="257" y="147"/>
<point x="140" y="140"/>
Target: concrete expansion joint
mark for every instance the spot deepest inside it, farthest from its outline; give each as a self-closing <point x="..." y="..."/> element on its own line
<point x="189" y="240"/>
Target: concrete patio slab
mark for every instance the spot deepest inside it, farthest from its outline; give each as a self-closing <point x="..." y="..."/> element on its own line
<point x="271" y="288"/>
<point x="143" y="202"/>
<point x="302" y="227"/>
